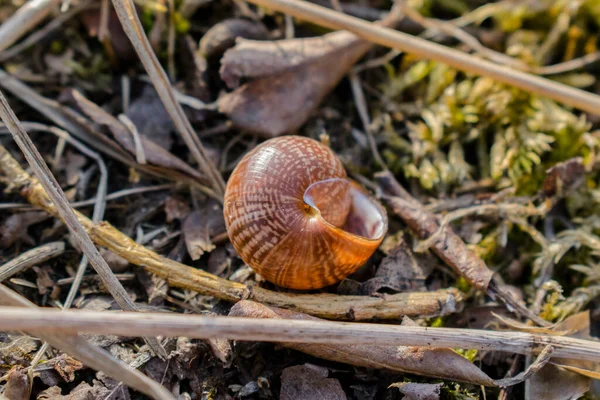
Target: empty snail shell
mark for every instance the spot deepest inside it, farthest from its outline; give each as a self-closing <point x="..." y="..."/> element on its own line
<point x="295" y="218"/>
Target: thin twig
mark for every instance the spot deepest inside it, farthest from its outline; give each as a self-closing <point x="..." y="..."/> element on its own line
<point x="30" y="258"/>
<point x="425" y="49"/>
<point x="56" y="194"/>
<point x="93" y="356"/>
<point x="293" y="331"/>
<point x="133" y="28"/>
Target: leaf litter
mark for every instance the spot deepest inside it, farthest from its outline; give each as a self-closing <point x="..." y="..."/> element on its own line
<point x="502" y="190"/>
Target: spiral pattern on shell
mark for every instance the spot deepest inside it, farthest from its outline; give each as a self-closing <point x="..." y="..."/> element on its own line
<point x="295" y="218"/>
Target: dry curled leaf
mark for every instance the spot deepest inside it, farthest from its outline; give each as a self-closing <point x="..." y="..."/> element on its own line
<point x="15" y="228"/>
<point x="309" y="382"/>
<point x="565" y="378"/>
<point x="66" y="366"/>
<point x="176" y="209"/>
<point x="291" y="78"/>
<point x="223" y="35"/>
<point x="564" y="176"/>
<point x="419" y="391"/>
<point x="17" y="387"/>
<point x="155" y="154"/>
<point x="198" y="228"/>
<point x="83" y="391"/>
<point x="433" y="362"/>
<point x="148" y="114"/>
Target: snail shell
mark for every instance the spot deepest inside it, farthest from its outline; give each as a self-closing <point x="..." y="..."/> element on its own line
<point x="295" y="218"/>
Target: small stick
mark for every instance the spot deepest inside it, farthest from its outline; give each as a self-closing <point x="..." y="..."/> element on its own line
<point x="425" y="49"/>
<point x="293" y="331"/>
<point x="56" y="194"/>
<point x="30" y="258"/>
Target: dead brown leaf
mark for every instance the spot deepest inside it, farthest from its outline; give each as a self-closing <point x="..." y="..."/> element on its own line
<point x="309" y="382"/>
<point x="291" y="78"/>
<point x="83" y="391"/>
<point x="223" y="35"/>
<point x="565" y="378"/>
<point x="419" y="391"/>
<point x="176" y="209"/>
<point x="17" y="387"/>
<point x="148" y="114"/>
<point x="433" y="362"/>
<point x="198" y="228"/>
<point x="15" y="228"/>
<point x="66" y="366"/>
<point x="564" y="176"/>
<point x="155" y="154"/>
<point x="401" y="271"/>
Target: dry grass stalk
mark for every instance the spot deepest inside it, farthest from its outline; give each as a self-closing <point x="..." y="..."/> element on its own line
<point x="330" y="306"/>
<point x="92" y="356"/>
<point x="63" y="208"/>
<point x="133" y="28"/>
<point x="26" y="17"/>
<point x="30" y="258"/>
<point x="428" y="50"/>
<point x="293" y="331"/>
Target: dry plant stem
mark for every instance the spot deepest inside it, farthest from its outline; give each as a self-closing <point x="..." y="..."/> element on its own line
<point x="293" y="331"/>
<point x="425" y="49"/>
<point x="442" y="302"/>
<point x="30" y="258"/>
<point x="448" y="28"/>
<point x="133" y="28"/>
<point x="57" y="196"/>
<point x="446" y="244"/>
<point x="92" y="356"/>
<point x="38" y="35"/>
<point x="26" y="17"/>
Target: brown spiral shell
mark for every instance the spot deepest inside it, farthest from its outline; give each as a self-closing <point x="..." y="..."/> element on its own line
<point x="296" y="219"/>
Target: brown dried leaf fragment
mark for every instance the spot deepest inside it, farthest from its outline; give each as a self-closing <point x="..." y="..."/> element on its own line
<point x="155" y="154"/>
<point x="82" y="392"/>
<point x="148" y="114"/>
<point x="292" y="77"/>
<point x="418" y="391"/>
<point x="401" y="271"/>
<point x="566" y="378"/>
<point x="223" y="35"/>
<point x="563" y="177"/>
<point x="15" y="228"/>
<point x="176" y="209"/>
<point x="198" y="228"/>
<point x="66" y="366"/>
<point x="433" y="362"/>
<point x="17" y="387"/>
<point x="309" y="382"/>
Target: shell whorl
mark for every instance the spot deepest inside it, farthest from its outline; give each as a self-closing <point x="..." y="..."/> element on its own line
<point x="290" y="213"/>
